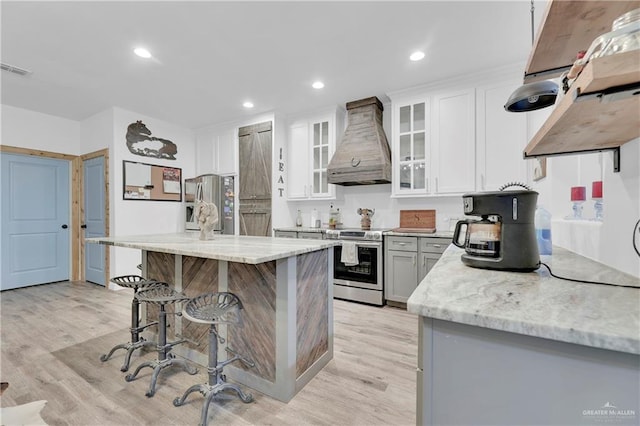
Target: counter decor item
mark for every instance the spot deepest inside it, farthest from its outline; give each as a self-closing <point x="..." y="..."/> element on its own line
<point x="578" y="195"/>
<point x="315" y="219"/>
<point x="334" y="217"/>
<point x="207" y="216"/>
<point x="596" y="195"/>
<point x="299" y="218"/>
<point x="365" y="222"/>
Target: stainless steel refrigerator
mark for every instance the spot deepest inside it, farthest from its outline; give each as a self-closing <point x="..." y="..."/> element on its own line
<point x="213" y="189"/>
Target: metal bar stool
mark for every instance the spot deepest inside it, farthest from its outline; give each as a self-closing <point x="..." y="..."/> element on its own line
<point x="135" y="282"/>
<point x="212" y="309"/>
<point x="161" y="295"/>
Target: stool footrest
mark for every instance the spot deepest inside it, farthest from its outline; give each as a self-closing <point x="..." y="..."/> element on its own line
<point x="144" y="327"/>
<point x="237" y="357"/>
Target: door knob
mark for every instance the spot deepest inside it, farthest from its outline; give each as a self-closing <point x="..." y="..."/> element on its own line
<point x="64" y="226"/>
<point x="83" y="226"/>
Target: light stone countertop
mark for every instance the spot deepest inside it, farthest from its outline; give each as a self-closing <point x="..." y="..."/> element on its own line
<point x="535" y="303"/>
<point x="232" y="248"/>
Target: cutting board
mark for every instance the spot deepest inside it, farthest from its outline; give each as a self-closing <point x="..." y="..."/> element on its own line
<point x="413" y="230"/>
<point x="418" y="220"/>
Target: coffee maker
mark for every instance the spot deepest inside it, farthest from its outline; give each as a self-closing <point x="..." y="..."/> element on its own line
<point x="505" y="237"/>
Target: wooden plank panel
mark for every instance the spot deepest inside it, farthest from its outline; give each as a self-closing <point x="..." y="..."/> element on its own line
<point x="592" y="124"/>
<point x="199" y="276"/>
<point x="568" y="27"/>
<point x="255" y="286"/>
<point x="161" y="267"/>
<point x="312" y="329"/>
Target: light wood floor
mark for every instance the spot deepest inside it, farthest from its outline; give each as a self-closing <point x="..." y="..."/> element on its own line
<point x="53" y="335"/>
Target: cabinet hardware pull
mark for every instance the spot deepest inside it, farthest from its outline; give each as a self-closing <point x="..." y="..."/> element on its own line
<point x="356" y="163"/>
<point x="436" y="184"/>
<point x="401" y="244"/>
<point x="437" y="245"/>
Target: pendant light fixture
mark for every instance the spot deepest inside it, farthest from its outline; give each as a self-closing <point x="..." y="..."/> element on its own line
<point x="532" y="96"/>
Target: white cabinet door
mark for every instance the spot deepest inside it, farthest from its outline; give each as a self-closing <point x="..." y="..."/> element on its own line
<point x="501" y="137"/>
<point x="311" y="141"/>
<point x="322" y="140"/>
<point x="298" y="161"/>
<point x="205" y="150"/>
<point x="454" y="142"/>
<point x="226" y="152"/>
<point x="411" y="147"/>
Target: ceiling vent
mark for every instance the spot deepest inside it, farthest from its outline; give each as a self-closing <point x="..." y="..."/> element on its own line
<point x="14" y="69"/>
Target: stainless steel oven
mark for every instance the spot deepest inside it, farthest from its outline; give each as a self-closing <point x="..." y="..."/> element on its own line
<point x="362" y="281"/>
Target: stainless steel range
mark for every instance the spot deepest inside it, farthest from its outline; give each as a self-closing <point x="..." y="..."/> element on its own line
<point x="358" y="265"/>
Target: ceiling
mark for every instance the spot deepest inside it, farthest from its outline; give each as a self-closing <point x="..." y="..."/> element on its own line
<point x="209" y="57"/>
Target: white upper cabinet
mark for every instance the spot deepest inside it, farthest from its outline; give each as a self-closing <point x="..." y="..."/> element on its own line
<point x="500" y="137"/>
<point x="454" y="142"/>
<point x="225" y="159"/>
<point x="216" y="151"/>
<point x="311" y="141"/>
<point x="433" y="145"/>
<point x="411" y="147"/>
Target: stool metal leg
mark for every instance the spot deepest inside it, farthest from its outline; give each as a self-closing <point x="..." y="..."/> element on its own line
<point x="165" y="359"/>
<point x="136" y="342"/>
<point x="217" y="383"/>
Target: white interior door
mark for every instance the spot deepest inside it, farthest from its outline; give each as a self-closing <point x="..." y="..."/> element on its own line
<point x="35" y="215"/>
<point x="94" y="219"/>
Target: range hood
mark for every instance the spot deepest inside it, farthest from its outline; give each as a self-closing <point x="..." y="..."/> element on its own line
<point x="363" y="157"/>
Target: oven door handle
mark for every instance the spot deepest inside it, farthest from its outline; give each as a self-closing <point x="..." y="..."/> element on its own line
<point x="364" y="243"/>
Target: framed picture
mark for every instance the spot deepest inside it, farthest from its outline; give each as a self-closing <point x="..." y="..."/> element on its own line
<point x="539" y="168"/>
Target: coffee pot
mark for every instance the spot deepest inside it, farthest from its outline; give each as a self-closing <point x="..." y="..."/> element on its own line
<point x="482" y="237"/>
<point x="504" y="238"/>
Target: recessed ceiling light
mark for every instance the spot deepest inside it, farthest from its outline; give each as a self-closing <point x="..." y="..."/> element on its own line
<point x="142" y="52"/>
<point x="416" y="56"/>
<point x="248" y="105"/>
<point x="317" y="85"/>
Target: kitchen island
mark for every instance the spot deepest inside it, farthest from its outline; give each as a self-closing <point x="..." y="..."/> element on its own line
<point x="501" y="347"/>
<point x="285" y="288"/>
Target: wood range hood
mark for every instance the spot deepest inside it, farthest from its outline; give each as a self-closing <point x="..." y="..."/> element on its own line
<point x="363" y="156"/>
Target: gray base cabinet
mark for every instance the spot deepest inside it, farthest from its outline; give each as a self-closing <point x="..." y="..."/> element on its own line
<point x="470" y="375"/>
<point x="299" y="234"/>
<point x="285" y="234"/>
<point x="407" y="262"/>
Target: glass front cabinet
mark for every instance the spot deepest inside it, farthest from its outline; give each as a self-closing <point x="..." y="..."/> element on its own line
<point x="433" y="144"/>
<point x="412" y="158"/>
<point x="311" y="142"/>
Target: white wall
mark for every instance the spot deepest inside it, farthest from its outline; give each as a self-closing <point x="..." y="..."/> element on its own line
<point x="29" y="129"/>
<point x="136" y="217"/>
<point x="609" y="241"/>
<point x="96" y="132"/>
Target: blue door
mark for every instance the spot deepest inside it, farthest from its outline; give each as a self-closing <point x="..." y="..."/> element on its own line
<point x="35" y="215"/>
<point x="94" y="220"/>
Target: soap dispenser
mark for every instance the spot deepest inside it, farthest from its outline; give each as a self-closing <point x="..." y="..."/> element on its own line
<point x="299" y="219"/>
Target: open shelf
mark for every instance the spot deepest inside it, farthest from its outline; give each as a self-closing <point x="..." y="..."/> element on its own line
<point x="601" y="110"/>
<point x="568" y="27"/>
<point x="588" y="119"/>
